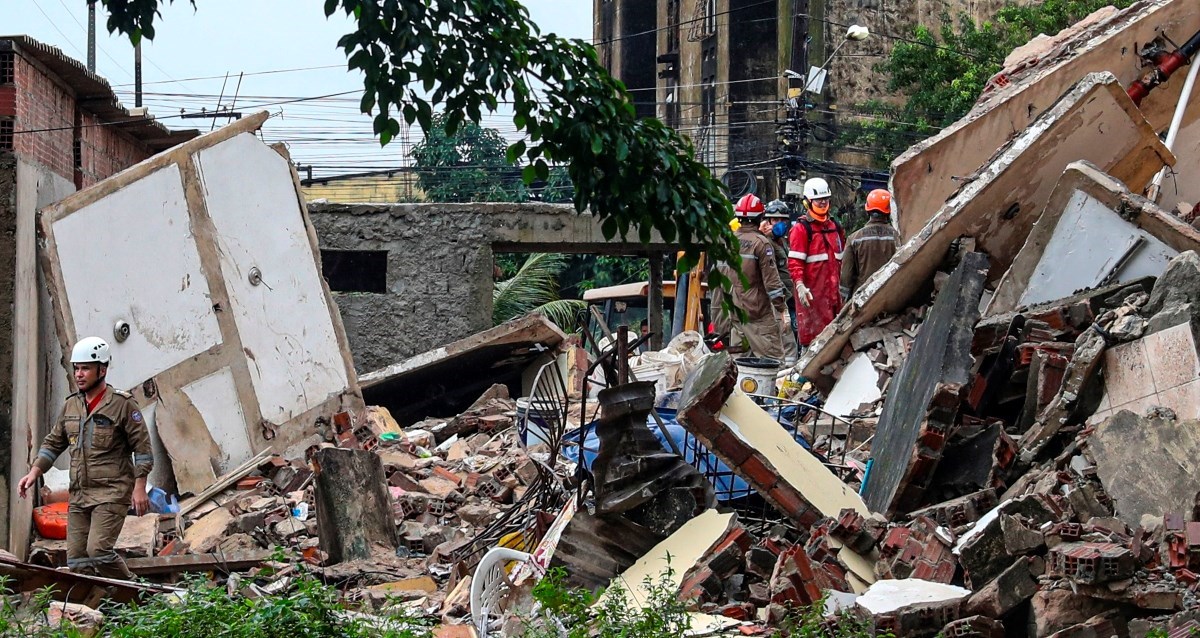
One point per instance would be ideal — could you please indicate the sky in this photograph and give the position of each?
(286, 49)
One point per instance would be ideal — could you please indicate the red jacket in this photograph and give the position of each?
(815, 260)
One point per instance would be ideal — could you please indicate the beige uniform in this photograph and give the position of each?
(110, 448)
(762, 299)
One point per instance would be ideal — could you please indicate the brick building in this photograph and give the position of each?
(61, 129)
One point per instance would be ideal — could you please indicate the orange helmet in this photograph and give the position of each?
(749, 205)
(879, 201)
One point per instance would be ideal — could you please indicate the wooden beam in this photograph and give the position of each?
(655, 302)
(223, 483)
(183, 563)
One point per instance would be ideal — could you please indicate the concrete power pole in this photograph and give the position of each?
(137, 74)
(91, 49)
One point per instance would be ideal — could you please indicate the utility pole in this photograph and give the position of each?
(91, 49)
(793, 131)
(137, 74)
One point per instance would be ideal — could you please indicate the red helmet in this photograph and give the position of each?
(879, 201)
(749, 205)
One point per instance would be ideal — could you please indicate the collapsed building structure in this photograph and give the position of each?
(997, 436)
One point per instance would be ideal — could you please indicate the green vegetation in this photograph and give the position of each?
(468, 166)
(573, 613)
(204, 610)
(534, 288)
(313, 610)
(941, 74)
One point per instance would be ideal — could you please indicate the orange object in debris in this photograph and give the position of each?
(250, 482)
(51, 521)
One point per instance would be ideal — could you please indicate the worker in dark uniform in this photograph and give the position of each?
(872, 246)
(110, 460)
(761, 298)
(775, 225)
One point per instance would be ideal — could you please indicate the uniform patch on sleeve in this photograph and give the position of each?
(136, 416)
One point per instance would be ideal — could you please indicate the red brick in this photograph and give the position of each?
(758, 474)
(706, 428)
(789, 502)
(731, 448)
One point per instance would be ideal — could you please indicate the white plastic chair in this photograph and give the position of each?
(491, 583)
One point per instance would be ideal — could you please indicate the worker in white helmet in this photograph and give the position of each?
(110, 460)
(815, 248)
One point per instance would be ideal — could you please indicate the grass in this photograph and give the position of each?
(311, 609)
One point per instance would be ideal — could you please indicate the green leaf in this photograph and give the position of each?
(367, 104)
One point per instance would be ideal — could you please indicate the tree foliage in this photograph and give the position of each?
(534, 288)
(465, 56)
(941, 74)
(469, 166)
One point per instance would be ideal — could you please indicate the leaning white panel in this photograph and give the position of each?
(275, 289)
(231, 366)
(215, 398)
(131, 257)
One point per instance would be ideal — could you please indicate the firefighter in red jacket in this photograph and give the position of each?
(815, 250)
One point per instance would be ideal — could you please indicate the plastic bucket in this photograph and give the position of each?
(534, 425)
(756, 375)
(655, 374)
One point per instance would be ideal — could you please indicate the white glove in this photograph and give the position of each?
(803, 295)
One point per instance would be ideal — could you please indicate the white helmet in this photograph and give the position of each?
(91, 350)
(816, 188)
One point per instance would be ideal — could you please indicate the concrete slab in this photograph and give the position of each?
(1148, 466)
(1159, 370)
(859, 385)
(890, 595)
(761, 452)
(998, 204)
(1093, 232)
(758, 449)
(678, 553)
(929, 173)
(211, 298)
(923, 399)
(444, 381)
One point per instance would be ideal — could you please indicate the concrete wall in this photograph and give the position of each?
(440, 266)
(231, 333)
(32, 382)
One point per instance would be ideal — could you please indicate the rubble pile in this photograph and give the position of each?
(997, 434)
(1016, 523)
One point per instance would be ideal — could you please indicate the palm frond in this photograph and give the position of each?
(534, 284)
(563, 312)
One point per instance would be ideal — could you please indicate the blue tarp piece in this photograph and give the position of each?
(727, 485)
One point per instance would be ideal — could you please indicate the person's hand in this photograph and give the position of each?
(141, 502)
(28, 481)
(803, 295)
(785, 319)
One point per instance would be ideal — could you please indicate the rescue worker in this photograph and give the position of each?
(763, 298)
(776, 224)
(815, 251)
(110, 460)
(872, 246)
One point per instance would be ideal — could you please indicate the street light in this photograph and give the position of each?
(816, 75)
(856, 33)
(795, 130)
